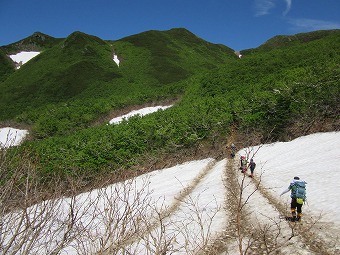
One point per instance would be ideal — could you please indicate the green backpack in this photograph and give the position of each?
(299, 191)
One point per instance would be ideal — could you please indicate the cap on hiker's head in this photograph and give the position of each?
(242, 156)
(296, 178)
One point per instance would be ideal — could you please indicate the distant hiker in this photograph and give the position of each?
(243, 166)
(233, 150)
(252, 166)
(298, 195)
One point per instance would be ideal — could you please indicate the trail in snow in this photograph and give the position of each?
(193, 207)
(190, 215)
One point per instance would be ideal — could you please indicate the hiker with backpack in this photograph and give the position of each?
(298, 195)
(232, 150)
(252, 166)
(243, 163)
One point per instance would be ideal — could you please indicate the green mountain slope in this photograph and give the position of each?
(177, 53)
(283, 91)
(283, 41)
(78, 80)
(274, 93)
(6, 66)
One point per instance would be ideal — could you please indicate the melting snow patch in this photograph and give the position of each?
(140, 112)
(11, 137)
(23, 57)
(115, 59)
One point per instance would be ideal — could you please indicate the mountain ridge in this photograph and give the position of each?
(74, 61)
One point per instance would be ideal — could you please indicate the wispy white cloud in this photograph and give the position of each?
(289, 5)
(314, 24)
(262, 7)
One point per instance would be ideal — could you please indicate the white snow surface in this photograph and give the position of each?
(115, 59)
(314, 158)
(24, 56)
(11, 136)
(141, 112)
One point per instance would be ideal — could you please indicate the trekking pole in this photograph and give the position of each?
(306, 202)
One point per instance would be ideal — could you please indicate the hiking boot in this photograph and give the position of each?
(298, 218)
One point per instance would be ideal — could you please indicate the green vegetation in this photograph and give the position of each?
(6, 66)
(76, 81)
(68, 86)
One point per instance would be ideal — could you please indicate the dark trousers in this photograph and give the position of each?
(295, 207)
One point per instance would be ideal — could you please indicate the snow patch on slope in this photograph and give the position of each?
(140, 112)
(115, 59)
(23, 57)
(11, 137)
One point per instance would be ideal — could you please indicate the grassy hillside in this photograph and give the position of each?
(6, 66)
(281, 92)
(76, 80)
(282, 41)
(269, 94)
(177, 53)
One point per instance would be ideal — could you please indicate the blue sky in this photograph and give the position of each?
(238, 24)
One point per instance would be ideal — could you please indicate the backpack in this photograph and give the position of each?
(300, 190)
(243, 162)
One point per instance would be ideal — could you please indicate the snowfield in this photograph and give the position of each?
(192, 207)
